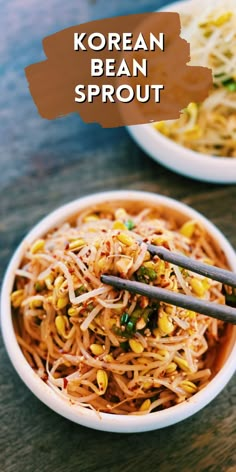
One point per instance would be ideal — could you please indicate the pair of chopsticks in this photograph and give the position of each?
(215, 310)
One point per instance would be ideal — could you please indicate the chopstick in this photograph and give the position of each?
(215, 310)
(221, 312)
(212, 272)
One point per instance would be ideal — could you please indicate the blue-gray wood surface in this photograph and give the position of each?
(47, 163)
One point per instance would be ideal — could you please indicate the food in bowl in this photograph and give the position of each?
(112, 351)
(209, 127)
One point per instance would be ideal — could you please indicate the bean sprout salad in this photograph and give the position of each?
(108, 350)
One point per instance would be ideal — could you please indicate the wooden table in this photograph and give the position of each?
(45, 164)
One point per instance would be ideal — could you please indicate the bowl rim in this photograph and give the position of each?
(106, 421)
(186, 153)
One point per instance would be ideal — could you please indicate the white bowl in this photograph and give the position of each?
(177, 157)
(83, 416)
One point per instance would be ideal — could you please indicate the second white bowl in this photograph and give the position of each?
(176, 157)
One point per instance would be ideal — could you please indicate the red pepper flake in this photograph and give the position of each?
(83, 368)
(45, 377)
(67, 246)
(65, 382)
